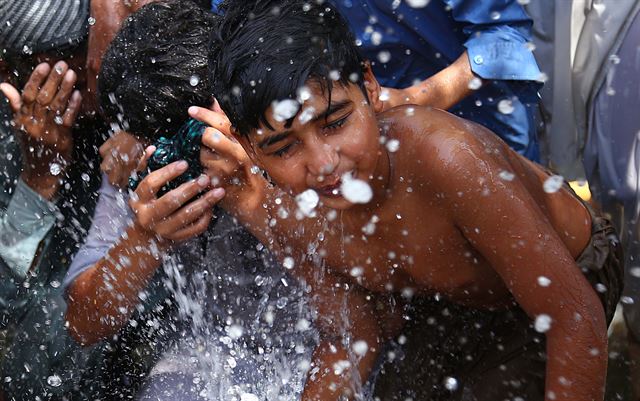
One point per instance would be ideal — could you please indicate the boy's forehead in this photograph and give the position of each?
(312, 100)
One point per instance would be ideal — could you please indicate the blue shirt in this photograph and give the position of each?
(419, 42)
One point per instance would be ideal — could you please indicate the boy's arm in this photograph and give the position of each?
(350, 336)
(101, 299)
(504, 223)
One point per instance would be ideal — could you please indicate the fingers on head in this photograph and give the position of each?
(152, 183)
(72, 110)
(50, 87)
(37, 78)
(12, 94)
(59, 102)
(192, 230)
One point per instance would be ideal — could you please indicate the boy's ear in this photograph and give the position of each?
(372, 87)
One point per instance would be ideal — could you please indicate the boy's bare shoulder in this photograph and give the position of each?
(441, 144)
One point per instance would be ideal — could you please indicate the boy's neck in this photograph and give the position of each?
(380, 183)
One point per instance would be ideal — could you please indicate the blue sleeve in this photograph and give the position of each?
(498, 32)
(111, 218)
(214, 5)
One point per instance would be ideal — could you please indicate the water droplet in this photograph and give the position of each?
(542, 323)
(360, 347)
(384, 56)
(54, 380)
(307, 115)
(288, 263)
(451, 383)
(505, 106)
(55, 169)
(523, 2)
(234, 331)
(627, 300)
(635, 272)
(91, 21)
(55, 283)
(249, 397)
(475, 83)
(303, 325)
(282, 302)
(376, 38)
(334, 75)
(393, 145)
(410, 111)
(304, 94)
(553, 184)
(231, 361)
(284, 109)
(543, 281)
(417, 3)
(340, 366)
(355, 190)
(495, 15)
(85, 177)
(506, 175)
(384, 95)
(58, 120)
(194, 80)
(307, 202)
(356, 271)
(27, 50)
(353, 77)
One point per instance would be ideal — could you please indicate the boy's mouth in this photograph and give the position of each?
(332, 190)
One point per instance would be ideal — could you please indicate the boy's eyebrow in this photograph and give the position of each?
(332, 108)
(273, 139)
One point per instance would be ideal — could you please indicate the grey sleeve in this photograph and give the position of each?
(23, 225)
(111, 218)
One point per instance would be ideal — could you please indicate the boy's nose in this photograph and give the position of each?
(323, 160)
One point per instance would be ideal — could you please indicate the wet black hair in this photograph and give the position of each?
(156, 67)
(265, 50)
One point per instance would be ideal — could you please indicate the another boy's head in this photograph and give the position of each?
(300, 98)
(156, 67)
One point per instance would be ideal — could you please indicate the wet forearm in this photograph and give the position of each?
(448, 87)
(333, 375)
(577, 360)
(102, 299)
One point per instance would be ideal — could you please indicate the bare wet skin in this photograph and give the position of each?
(416, 246)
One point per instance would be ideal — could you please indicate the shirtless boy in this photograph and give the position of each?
(452, 211)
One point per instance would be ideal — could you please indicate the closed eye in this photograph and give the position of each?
(283, 150)
(337, 123)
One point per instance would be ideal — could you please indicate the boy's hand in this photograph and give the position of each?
(173, 217)
(120, 155)
(227, 163)
(44, 114)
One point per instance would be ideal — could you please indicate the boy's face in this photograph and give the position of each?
(324, 142)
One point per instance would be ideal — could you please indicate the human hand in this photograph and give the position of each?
(173, 217)
(120, 155)
(227, 163)
(44, 114)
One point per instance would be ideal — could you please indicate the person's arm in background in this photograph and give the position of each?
(28, 214)
(498, 33)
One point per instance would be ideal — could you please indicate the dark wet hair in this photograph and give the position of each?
(267, 49)
(156, 67)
